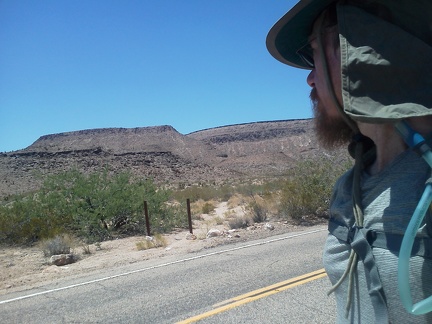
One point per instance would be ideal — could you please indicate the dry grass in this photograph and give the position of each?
(152, 242)
(219, 220)
(236, 200)
(203, 206)
(61, 244)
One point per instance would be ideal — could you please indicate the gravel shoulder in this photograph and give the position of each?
(23, 268)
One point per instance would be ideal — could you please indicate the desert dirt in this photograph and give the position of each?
(24, 268)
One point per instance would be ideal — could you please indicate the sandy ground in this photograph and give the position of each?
(25, 268)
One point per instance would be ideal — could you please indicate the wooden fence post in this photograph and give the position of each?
(147, 219)
(189, 215)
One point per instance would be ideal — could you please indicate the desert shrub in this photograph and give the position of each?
(226, 192)
(308, 189)
(238, 222)
(94, 207)
(152, 242)
(205, 192)
(207, 208)
(195, 193)
(169, 216)
(252, 189)
(26, 220)
(219, 220)
(236, 200)
(197, 208)
(258, 212)
(60, 244)
(86, 249)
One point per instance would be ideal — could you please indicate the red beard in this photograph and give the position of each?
(331, 132)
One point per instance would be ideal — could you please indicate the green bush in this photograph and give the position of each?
(238, 222)
(205, 192)
(258, 212)
(100, 206)
(207, 208)
(308, 189)
(94, 207)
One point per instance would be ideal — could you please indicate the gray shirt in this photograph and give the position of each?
(389, 200)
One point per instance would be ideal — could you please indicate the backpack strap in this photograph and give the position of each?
(357, 238)
(389, 241)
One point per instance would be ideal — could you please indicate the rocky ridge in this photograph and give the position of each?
(252, 150)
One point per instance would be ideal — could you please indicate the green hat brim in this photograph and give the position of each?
(291, 32)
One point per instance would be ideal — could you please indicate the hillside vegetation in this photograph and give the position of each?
(92, 184)
(102, 206)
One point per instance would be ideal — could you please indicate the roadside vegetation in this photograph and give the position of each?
(102, 206)
(94, 207)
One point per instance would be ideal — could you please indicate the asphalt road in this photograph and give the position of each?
(225, 282)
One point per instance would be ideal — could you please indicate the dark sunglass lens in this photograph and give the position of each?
(308, 60)
(305, 54)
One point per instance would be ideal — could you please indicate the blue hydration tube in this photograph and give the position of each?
(413, 139)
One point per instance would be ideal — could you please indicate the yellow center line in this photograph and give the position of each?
(257, 294)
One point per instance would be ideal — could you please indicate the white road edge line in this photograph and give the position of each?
(158, 266)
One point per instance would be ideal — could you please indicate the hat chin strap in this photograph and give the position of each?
(360, 145)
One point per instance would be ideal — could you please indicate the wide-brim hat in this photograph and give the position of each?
(291, 32)
(385, 46)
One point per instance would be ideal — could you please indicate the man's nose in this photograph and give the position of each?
(311, 79)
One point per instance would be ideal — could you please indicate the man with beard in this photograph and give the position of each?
(371, 88)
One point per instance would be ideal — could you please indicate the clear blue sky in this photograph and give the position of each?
(69, 65)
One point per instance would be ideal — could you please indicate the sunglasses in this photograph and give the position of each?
(306, 55)
(306, 52)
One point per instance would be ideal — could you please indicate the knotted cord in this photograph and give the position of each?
(358, 166)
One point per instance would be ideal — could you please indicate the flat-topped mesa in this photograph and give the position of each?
(215, 155)
(114, 140)
(258, 131)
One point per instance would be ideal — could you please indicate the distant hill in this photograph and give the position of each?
(253, 150)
